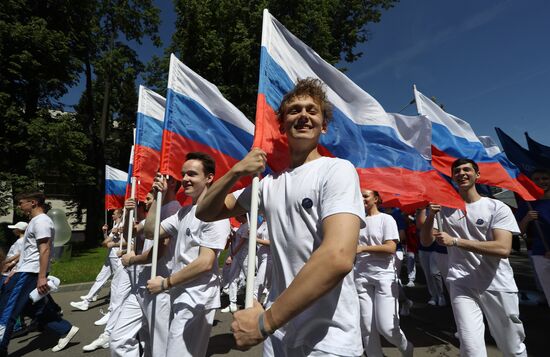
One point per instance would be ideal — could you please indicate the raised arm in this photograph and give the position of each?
(218, 203)
(426, 224)
(338, 247)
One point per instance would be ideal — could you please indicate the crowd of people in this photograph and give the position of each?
(328, 262)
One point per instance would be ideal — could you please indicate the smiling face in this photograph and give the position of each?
(465, 176)
(369, 199)
(194, 180)
(303, 119)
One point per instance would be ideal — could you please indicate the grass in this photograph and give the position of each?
(85, 263)
(83, 266)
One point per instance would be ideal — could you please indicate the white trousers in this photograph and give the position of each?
(433, 277)
(239, 265)
(189, 330)
(274, 347)
(502, 313)
(379, 310)
(123, 341)
(158, 314)
(110, 265)
(263, 275)
(411, 266)
(120, 290)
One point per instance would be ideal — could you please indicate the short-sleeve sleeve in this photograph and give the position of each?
(504, 219)
(214, 234)
(390, 230)
(43, 229)
(244, 195)
(340, 191)
(170, 225)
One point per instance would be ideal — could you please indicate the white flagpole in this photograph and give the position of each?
(253, 225)
(121, 225)
(156, 235)
(131, 217)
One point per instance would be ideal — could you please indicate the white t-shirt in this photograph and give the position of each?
(380, 228)
(483, 272)
(16, 248)
(241, 235)
(294, 203)
(191, 234)
(262, 233)
(115, 239)
(40, 227)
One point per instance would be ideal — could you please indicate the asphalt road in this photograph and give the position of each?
(431, 329)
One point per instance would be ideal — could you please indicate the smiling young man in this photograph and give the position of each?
(193, 283)
(313, 212)
(480, 277)
(32, 272)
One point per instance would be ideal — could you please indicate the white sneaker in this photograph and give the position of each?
(64, 341)
(410, 284)
(103, 320)
(405, 308)
(101, 342)
(85, 297)
(81, 305)
(230, 308)
(441, 301)
(432, 302)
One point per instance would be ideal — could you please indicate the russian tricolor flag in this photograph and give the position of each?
(453, 138)
(115, 187)
(199, 118)
(383, 147)
(149, 124)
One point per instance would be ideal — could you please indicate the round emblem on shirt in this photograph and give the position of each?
(480, 221)
(307, 203)
(188, 231)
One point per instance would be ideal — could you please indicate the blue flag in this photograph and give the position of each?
(525, 160)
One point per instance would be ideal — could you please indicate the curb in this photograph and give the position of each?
(76, 287)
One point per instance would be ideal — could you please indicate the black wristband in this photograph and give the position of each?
(261, 326)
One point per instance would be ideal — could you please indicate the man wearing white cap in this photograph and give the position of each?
(15, 250)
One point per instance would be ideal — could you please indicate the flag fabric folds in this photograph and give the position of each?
(454, 138)
(380, 145)
(149, 123)
(115, 187)
(199, 118)
(523, 158)
(538, 148)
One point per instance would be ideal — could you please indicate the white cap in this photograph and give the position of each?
(19, 225)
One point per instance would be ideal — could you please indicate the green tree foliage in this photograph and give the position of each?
(221, 39)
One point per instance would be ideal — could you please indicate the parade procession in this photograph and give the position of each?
(268, 206)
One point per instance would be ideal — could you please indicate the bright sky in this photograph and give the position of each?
(487, 61)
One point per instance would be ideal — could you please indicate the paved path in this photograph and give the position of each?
(430, 328)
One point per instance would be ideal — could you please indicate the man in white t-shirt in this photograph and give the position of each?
(314, 212)
(31, 272)
(480, 277)
(12, 258)
(193, 284)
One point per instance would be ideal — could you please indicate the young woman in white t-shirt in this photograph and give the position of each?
(376, 280)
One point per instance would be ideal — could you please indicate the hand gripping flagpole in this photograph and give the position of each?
(131, 217)
(253, 225)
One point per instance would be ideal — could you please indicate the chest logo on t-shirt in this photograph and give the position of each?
(479, 222)
(188, 231)
(307, 203)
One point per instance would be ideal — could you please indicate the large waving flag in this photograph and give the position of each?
(453, 138)
(149, 123)
(523, 158)
(538, 148)
(381, 146)
(199, 118)
(115, 187)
